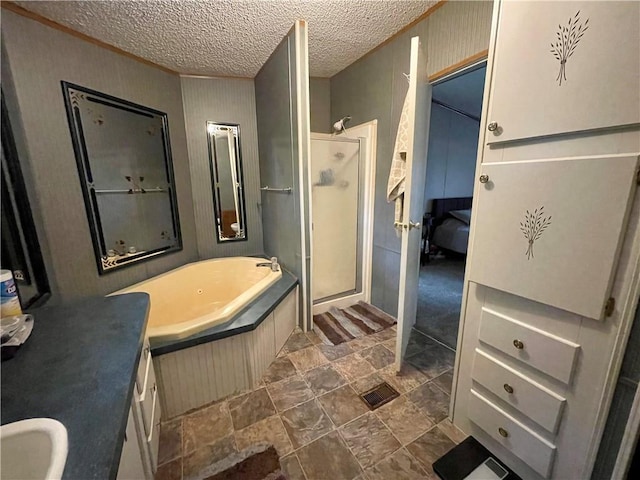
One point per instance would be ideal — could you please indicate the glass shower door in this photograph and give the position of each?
(336, 202)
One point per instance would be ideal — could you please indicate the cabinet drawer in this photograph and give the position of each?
(524, 443)
(533, 400)
(548, 353)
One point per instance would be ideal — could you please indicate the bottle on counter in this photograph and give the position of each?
(9, 301)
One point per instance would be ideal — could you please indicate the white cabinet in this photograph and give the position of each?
(139, 458)
(131, 467)
(555, 234)
(589, 81)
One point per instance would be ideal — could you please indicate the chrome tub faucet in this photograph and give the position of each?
(273, 264)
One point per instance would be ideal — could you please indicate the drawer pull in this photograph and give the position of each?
(518, 344)
(503, 432)
(508, 388)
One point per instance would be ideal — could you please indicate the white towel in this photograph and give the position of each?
(397, 175)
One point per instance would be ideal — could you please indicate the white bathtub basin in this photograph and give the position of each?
(33, 449)
(200, 295)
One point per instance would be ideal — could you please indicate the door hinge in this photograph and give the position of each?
(609, 307)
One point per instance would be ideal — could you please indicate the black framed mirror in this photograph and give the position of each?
(21, 252)
(225, 163)
(124, 161)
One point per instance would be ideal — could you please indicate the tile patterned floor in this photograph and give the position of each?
(307, 406)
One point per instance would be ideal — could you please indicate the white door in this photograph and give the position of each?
(419, 108)
(335, 198)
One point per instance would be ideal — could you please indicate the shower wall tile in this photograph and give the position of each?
(222, 100)
(374, 88)
(35, 59)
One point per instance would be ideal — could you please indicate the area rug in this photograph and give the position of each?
(257, 463)
(340, 325)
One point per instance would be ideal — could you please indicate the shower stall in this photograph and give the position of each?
(342, 172)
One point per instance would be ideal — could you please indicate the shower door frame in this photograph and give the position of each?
(367, 133)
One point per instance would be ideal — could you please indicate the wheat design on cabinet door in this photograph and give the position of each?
(567, 39)
(534, 224)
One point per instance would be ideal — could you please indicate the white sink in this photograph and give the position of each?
(33, 449)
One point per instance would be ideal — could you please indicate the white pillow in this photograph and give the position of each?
(462, 215)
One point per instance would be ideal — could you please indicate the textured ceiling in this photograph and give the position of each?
(235, 37)
(463, 92)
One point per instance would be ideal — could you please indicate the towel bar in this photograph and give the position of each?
(266, 188)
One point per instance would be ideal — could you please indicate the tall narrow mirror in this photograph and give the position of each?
(225, 162)
(124, 161)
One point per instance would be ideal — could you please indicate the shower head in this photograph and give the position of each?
(340, 125)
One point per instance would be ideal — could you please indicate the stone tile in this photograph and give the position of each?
(390, 344)
(308, 358)
(432, 360)
(343, 405)
(353, 367)
(369, 439)
(291, 468)
(367, 383)
(378, 356)
(289, 393)
(363, 342)
(250, 408)
(333, 352)
(270, 431)
(170, 471)
(170, 443)
(451, 431)
(203, 457)
(323, 379)
(444, 381)
(279, 369)
(297, 341)
(405, 420)
(431, 400)
(206, 426)
(329, 458)
(383, 335)
(398, 466)
(430, 447)
(305, 423)
(314, 338)
(408, 379)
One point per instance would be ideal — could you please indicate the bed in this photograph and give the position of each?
(449, 225)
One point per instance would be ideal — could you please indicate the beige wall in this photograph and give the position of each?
(222, 100)
(374, 88)
(35, 59)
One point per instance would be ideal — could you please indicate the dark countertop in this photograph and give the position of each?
(79, 367)
(245, 321)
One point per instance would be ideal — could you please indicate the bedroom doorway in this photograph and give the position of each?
(451, 161)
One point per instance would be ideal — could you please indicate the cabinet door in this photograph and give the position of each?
(550, 230)
(564, 67)
(130, 461)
